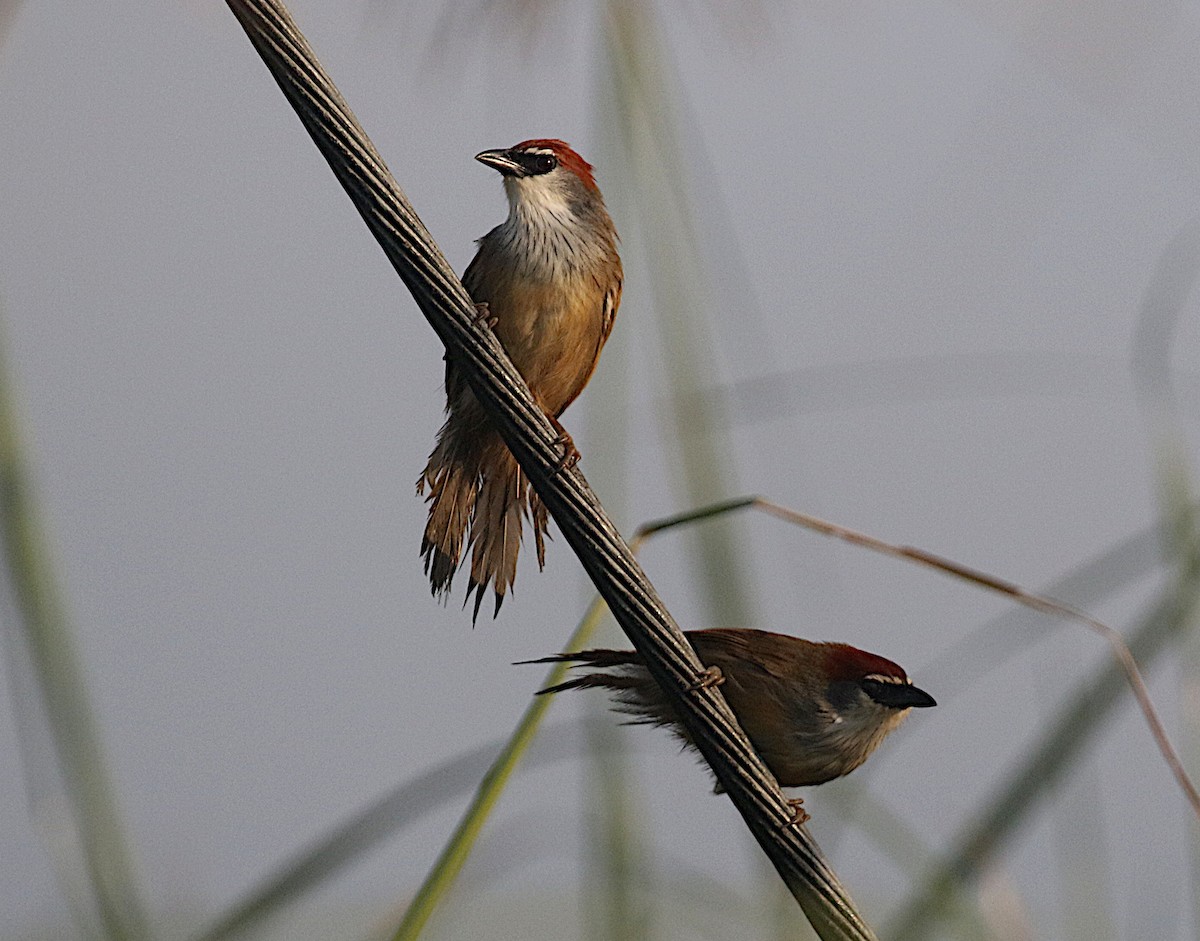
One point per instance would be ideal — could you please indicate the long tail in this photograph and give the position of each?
(496, 525)
(478, 496)
(633, 690)
(452, 477)
(600, 660)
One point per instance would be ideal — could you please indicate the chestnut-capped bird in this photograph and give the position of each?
(548, 282)
(812, 711)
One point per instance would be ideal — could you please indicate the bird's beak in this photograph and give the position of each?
(903, 696)
(501, 160)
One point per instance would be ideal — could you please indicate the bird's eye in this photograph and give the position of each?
(544, 163)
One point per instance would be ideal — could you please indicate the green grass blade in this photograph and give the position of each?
(1046, 763)
(450, 862)
(617, 878)
(70, 794)
(350, 840)
(647, 126)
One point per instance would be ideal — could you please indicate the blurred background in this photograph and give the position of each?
(926, 271)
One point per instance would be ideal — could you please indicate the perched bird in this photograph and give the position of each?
(813, 711)
(548, 282)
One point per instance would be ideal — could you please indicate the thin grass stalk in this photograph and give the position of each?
(908, 850)
(454, 854)
(528, 433)
(1046, 763)
(1083, 855)
(1165, 303)
(43, 662)
(616, 898)
(348, 841)
(1122, 654)
(1189, 666)
(617, 878)
(645, 96)
(1176, 496)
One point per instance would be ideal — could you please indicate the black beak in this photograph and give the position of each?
(900, 696)
(503, 161)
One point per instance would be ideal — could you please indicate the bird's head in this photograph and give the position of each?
(548, 159)
(545, 178)
(868, 695)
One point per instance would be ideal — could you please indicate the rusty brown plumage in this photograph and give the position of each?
(549, 281)
(813, 711)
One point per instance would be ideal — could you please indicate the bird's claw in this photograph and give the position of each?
(712, 676)
(570, 456)
(799, 814)
(483, 315)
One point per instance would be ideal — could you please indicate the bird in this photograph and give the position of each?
(813, 711)
(548, 282)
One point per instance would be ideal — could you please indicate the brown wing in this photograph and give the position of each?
(756, 654)
(608, 316)
(761, 688)
(612, 300)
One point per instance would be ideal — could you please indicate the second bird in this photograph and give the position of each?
(813, 711)
(548, 280)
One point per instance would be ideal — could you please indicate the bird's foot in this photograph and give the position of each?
(570, 456)
(712, 676)
(483, 315)
(799, 814)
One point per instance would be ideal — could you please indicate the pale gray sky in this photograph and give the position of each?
(950, 216)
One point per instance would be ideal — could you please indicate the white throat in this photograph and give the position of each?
(555, 242)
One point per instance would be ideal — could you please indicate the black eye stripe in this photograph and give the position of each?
(536, 162)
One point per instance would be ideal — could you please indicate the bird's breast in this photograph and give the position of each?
(543, 285)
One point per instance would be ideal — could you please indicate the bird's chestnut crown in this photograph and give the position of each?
(883, 681)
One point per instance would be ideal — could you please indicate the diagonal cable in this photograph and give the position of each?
(585, 526)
